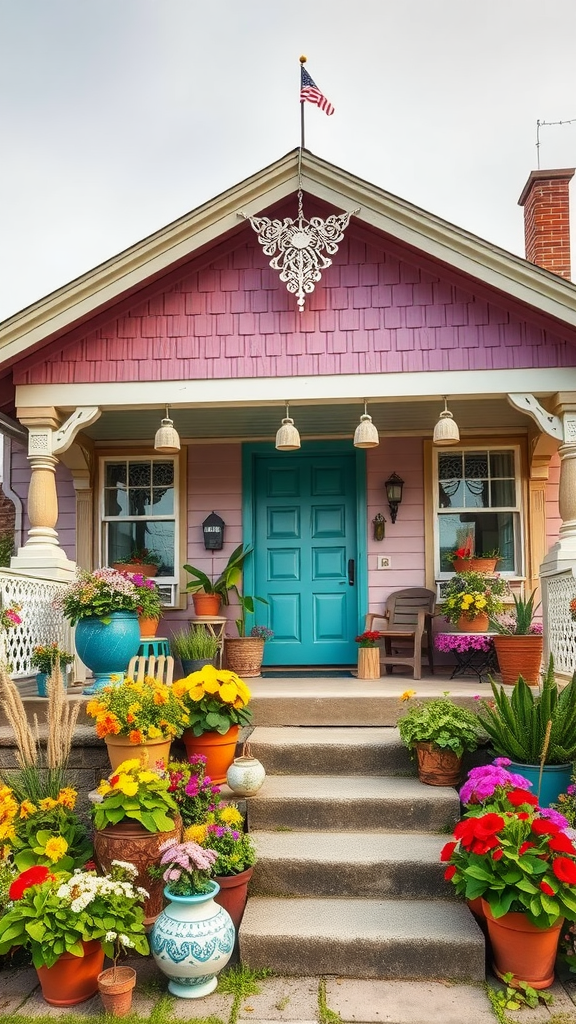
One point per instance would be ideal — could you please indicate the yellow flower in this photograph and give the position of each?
(7, 831)
(480, 601)
(147, 777)
(228, 693)
(67, 797)
(128, 766)
(47, 804)
(104, 788)
(134, 708)
(27, 808)
(154, 732)
(231, 815)
(55, 848)
(407, 694)
(127, 785)
(195, 834)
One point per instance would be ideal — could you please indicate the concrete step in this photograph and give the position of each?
(372, 864)
(360, 938)
(321, 750)
(351, 804)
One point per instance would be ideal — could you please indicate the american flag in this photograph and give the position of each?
(310, 91)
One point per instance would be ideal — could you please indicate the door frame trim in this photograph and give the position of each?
(250, 452)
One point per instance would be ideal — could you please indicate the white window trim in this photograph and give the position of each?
(518, 509)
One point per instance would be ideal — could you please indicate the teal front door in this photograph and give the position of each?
(305, 556)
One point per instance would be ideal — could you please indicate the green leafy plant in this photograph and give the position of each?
(471, 593)
(137, 793)
(222, 830)
(227, 583)
(514, 997)
(48, 833)
(6, 547)
(521, 620)
(45, 656)
(52, 914)
(215, 699)
(140, 710)
(194, 794)
(149, 602)
(441, 722)
(194, 644)
(139, 556)
(529, 727)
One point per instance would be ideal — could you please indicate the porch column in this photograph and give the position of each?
(41, 554)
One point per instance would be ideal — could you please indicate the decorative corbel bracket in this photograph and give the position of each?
(64, 436)
(547, 421)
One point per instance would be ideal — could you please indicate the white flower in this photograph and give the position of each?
(126, 941)
(111, 936)
(126, 866)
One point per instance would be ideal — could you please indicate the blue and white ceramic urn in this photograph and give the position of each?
(192, 941)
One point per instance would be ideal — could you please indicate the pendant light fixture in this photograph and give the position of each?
(287, 438)
(446, 430)
(366, 435)
(167, 439)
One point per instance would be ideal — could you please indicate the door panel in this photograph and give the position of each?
(305, 535)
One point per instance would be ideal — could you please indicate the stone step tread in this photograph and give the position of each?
(359, 848)
(345, 788)
(329, 736)
(363, 937)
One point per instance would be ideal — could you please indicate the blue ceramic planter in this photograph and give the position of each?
(191, 942)
(555, 780)
(42, 683)
(106, 648)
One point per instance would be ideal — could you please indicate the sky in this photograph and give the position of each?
(118, 116)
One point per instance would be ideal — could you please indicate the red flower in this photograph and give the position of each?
(564, 869)
(33, 876)
(498, 854)
(488, 825)
(525, 846)
(543, 827)
(447, 851)
(479, 834)
(522, 796)
(522, 815)
(450, 872)
(547, 889)
(561, 844)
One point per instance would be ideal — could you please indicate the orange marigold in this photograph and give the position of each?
(135, 736)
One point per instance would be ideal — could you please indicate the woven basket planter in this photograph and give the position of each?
(244, 655)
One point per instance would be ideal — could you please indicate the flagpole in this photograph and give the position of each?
(302, 63)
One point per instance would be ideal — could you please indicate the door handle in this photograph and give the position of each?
(351, 570)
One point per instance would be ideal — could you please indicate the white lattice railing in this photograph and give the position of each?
(41, 622)
(559, 629)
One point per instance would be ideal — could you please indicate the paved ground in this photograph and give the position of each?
(303, 1000)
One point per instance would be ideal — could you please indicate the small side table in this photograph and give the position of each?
(155, 646)
(215, 626)
(471, 659)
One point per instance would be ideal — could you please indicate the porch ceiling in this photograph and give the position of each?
(312, 420)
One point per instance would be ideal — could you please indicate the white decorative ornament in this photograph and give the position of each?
(298, 247)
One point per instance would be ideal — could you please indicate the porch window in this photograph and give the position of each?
(478, 495)
(139, 510)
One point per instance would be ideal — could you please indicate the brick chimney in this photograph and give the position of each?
(547, 220)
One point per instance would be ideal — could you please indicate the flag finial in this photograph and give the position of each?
(303, 59)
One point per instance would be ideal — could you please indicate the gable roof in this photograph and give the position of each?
(159, 253)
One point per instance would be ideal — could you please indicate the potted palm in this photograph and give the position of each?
(520, 861)
(519, 642)
(439, 731)
(537, 731)
(216, 590)
(194, 647)
(216, 702)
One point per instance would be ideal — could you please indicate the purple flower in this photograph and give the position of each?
(235, 834)
(554, 816)
(192, 787)
(571, 789)
(483, 781)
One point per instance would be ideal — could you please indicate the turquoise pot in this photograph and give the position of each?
(555, 780)
(42, 683)
(106, 647)
(191, 941)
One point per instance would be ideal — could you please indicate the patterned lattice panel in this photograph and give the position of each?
(42, 623)
(560, 629)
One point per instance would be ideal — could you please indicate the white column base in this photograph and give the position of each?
(44, 561)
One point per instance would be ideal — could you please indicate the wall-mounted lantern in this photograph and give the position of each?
(394, 485)
(213, 532)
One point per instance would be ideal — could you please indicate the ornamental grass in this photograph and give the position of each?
(215, 700)
(145, 710)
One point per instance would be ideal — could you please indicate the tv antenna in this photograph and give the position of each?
(539, 125)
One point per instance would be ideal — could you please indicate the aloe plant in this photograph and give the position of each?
(518, 725)
(524, 612)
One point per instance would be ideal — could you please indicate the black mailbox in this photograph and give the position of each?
(213, 531)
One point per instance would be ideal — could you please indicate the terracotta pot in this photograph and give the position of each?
(140, 567)
(233, 894)
(207, 604)
(522, 949)
(479, 624)
(437, 767)
(116, 985)
(486, 565)
(368, 663)
(72, 979)
(218, 750)
(244, 655)
(129, 841)
(519, 656)
(148, 627)
(150, 751)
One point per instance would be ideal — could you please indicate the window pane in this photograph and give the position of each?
(503, 493)
(162, 502)
(490, 531)
(139, 474)
(450, 467)
(163, 474)
(501, 464)
(115, 473)
(477, 494)
(139, 499)
(451, 493)
(115, 502)
(158, 537)
(476, 465)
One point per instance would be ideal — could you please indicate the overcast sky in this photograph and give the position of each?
(117, 116)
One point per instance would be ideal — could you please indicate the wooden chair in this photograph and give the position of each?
(408, 620)
(160, 667)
